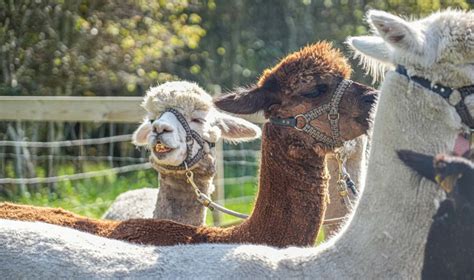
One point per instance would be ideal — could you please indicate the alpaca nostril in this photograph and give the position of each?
(161, 127)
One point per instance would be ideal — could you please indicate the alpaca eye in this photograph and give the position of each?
(320, 89)
(198, 120)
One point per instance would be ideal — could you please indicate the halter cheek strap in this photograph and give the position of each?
(332, 111)
(454, 96)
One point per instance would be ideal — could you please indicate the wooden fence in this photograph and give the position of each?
(79, 109)
(95, 109)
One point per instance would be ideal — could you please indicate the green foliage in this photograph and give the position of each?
(93, 47)
(240, 45)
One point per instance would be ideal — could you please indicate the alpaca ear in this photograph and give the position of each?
(242, 101)
(140, 136)
(251, 100)
(236, 129)
(422, 164)
(373, 53)
(370, 47)
(395, 31)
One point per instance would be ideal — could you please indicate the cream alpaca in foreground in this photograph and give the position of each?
(164, 135)
(384, 240)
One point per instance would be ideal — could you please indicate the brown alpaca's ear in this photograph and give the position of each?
(242, 101)
(250, 100)
(420, 163)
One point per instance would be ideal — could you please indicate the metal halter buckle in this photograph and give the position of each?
(335, 118)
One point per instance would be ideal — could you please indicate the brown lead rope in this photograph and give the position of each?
(207, 201)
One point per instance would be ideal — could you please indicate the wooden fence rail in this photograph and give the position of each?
(77, 108)
(68, 108)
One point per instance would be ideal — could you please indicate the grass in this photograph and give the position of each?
(89, 197)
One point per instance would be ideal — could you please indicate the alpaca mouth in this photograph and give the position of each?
(161, 148)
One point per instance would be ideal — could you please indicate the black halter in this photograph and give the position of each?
(331, 108)
(191, 136)
(454, 96)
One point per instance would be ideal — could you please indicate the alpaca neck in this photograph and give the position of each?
(387, 234)
(291, 199)
(177, 199)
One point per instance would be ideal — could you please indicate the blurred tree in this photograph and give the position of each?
(244, 37)
(93, 47)
(104, 47)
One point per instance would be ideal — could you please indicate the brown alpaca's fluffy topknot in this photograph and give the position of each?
(314, 60)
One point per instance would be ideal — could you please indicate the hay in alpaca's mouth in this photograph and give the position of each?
(161, 148)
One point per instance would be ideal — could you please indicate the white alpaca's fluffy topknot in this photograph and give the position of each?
(182, 95)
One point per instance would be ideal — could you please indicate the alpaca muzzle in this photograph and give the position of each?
(191, 137)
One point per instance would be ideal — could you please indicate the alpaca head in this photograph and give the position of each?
(165, 134)
(454, 174)
(439, 47)
(301, 82)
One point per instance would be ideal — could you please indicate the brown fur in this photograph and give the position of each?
(292, 193)
(314, 60)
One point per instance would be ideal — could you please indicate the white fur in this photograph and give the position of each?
(134, 204)
(384, 240)
(437, 47)
(373, 54)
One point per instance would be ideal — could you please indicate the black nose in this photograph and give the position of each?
(370, 98)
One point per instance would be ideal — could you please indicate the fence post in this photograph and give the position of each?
(111, 145)
(52, 150)
(19, 163)
(218, 194)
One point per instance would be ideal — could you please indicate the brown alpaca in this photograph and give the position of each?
(293, 190)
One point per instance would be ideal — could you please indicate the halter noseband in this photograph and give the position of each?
(191, 136)
(331, 108)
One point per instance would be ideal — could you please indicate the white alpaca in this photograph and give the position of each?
(165, 136)
(386, 237)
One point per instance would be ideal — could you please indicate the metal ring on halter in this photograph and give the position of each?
(305, 121)
(331, 109)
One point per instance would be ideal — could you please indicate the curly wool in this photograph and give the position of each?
(170, 95)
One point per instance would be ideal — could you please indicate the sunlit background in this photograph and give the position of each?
(121, 48)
